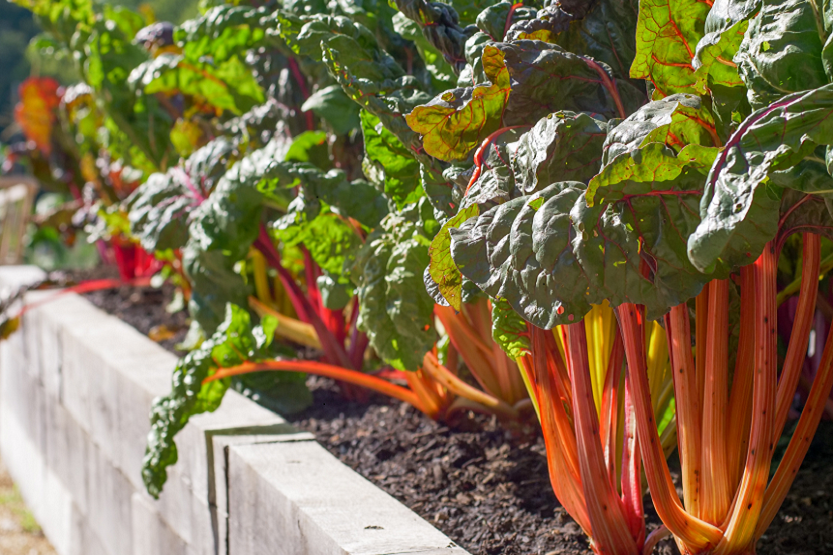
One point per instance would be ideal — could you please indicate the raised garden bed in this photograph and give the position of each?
(76, 386)
(485, 487)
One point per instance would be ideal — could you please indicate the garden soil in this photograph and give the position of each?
(486, 487)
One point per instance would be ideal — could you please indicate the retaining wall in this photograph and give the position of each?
(76, 387)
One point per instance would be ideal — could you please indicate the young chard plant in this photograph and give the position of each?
(689, 196)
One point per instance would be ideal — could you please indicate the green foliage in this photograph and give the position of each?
(236, 341)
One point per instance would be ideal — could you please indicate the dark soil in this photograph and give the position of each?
(144, 308)
(487, 488)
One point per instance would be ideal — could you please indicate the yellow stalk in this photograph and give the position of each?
(260, 276)
(288, 328)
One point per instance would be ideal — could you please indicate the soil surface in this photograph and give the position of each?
(144, 308)
(19, 533)
(486, 487)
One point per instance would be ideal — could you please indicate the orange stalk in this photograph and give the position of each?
(800, 441)
(559, 438)
(433, 368)
(740, 400)
(632, 474)
(717, 492)
(321, 369)
(696, 534)
(702, 324)
(740, 525)
(800, 334)
(475, 353)
(687, 397)
(611, 533)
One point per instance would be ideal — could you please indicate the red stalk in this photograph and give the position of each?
(332, 349)
(696, 533)
(559, 438)
(740, 526)
(702, 325)
(610, 405)
(632, 475)
(688, 404)
(717, 493)
(800, 334)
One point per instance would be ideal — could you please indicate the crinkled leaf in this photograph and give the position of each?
(740, 207)
(332, 105)
(394, 309)
(509, 330)
(781, 51)
(676, 121)
(228, 85)
(607, 34)
(458, 120)
(441, 26)
(221, 33)
(551, 256)
(563, 146)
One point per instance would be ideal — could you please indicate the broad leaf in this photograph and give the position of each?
(458, 120)
(740, 207)
(781, 51)
(667, 34)
(388, 164)
(509, 330)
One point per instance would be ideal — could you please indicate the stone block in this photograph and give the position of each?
(109, 496)
(151, 534)
(84, 540)
(294, 498)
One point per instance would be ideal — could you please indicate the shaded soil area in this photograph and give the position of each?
(19, 533)
(485, 486)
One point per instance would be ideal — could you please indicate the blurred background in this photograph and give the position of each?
(22, 57)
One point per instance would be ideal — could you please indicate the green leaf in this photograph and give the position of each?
(235, 341)
(310, 146)
(493, 20)
(394, 309)
(441, 27)
(509, 330)
(160, 209)
(458, 120)
(332, 105)
(229, 85)
(221, 33)
(740, 207)
(781, 52)
(441, 267)
(388, 164)
(561, 146)
(607, 34)
(677, 120)
(545, 78)
(551, 256)
(667, 34)
(330, 240)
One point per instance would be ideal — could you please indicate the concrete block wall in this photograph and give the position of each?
(76, 387)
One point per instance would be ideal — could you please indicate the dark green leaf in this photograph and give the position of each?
(740, 208)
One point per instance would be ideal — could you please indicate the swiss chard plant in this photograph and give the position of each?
(690, 188)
